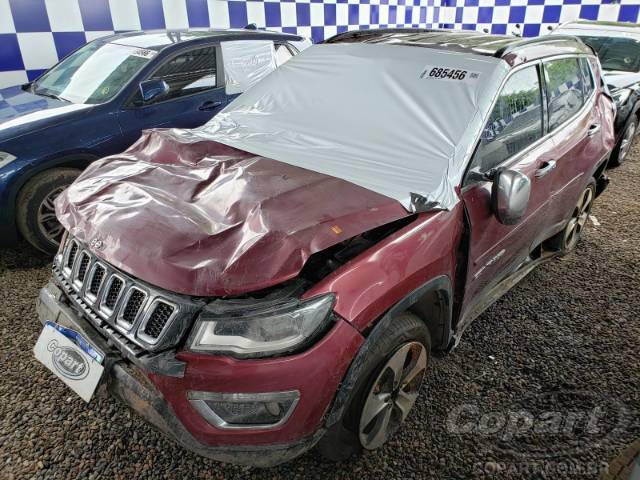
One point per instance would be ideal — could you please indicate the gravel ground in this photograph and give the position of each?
(563, 343)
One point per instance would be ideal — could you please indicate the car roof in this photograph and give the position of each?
(160, 40)
(468, 41)
(601, 28)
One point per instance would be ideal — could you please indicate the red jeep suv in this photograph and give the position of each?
(280, 277)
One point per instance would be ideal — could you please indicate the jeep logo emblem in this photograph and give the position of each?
(68, 361)
(96, 244)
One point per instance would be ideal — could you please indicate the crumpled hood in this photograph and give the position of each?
(616, 79)
(22, 111)
(200, 218)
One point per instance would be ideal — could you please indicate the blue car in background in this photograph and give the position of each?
(95, 103)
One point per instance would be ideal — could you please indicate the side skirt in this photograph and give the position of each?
(498, 291)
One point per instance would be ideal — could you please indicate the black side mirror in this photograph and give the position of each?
(153, 89)
(509, 195)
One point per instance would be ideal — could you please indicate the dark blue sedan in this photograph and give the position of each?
(95, 103)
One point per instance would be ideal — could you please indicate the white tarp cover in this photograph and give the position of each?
(369, 114)
(246, 62)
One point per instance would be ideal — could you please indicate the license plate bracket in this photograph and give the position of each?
(71, 357)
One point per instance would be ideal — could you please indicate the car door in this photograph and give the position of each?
(575, 120)
(514, 138)
(196, 93)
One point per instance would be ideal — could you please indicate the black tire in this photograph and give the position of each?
(342, 439)
(564, 241)
(621, 150)
(31, 200)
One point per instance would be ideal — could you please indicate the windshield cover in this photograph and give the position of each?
(93, 74)
(397, 120)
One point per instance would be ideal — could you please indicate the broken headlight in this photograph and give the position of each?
(263, 332)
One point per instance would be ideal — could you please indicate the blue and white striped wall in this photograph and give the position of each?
(35, 34)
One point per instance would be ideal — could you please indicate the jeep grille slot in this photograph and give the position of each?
(113, 293)
(96, 280)
(82, 269)
(133, 306)
(72, 255)
(158, 319)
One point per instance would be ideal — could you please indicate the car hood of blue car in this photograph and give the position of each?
(23, 112)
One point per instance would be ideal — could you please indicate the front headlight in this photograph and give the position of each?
(621, 96)
(263, 332)
(6, 158)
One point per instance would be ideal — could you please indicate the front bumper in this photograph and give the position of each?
(163, 400)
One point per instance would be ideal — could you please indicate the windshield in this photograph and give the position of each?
(93, 74)
(616, 53)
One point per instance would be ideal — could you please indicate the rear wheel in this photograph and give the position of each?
(622, 149)
(386, 391)
(568, 238)
(35, 210)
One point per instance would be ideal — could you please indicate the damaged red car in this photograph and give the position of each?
(280, 277)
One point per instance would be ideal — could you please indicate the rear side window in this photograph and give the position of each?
(565, 93)
(515, 122)
(587, 77)
(190, 72)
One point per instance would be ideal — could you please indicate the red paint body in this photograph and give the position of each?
(202, 219)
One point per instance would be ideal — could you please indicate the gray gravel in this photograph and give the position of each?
(565, 339)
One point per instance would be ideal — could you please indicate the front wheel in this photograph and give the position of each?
(385, 391)
(35, 211)
(621, 150)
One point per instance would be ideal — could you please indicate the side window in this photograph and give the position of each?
(515, 122)
(588, 84)
(565, 93)
(190, 72)
(283, 54)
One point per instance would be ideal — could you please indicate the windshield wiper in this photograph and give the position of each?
(50, 95)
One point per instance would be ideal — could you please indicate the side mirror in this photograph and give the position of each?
(153, 89)
(510, 195)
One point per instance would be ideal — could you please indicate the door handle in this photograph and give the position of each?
(547, 167)
(593, 129)
(208, 106)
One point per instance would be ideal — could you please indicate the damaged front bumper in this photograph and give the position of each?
(164, 400)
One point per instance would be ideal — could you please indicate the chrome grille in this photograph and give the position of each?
(82, 268)
(113, 293)
(96, 279)
(138, 312)
(72, 255)
(159, 317)
(132, 306)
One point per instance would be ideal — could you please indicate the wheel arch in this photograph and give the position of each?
(77, 160)
(432, 302)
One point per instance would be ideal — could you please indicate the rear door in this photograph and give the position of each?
(575, 123)
(514, 138)
(196, 94)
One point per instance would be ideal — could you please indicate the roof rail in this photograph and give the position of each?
(380, 31)
(531, 41)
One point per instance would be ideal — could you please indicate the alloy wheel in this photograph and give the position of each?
(627, 140)
(579, 219)
(392, 395)
(47, 221)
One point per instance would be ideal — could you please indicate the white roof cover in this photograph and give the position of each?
(373, 115)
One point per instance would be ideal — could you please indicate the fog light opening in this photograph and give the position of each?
(245, 410)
